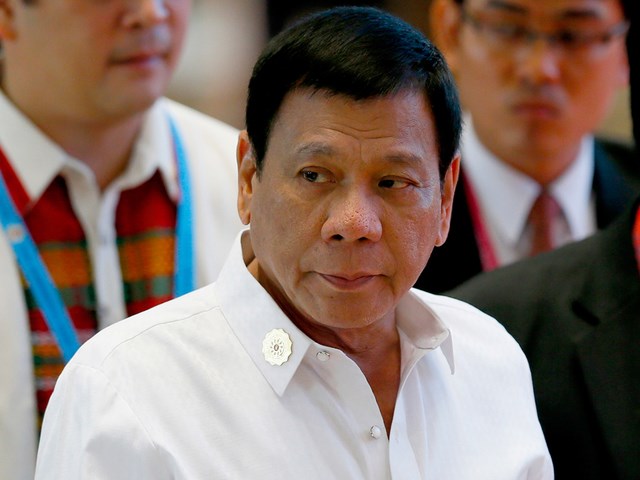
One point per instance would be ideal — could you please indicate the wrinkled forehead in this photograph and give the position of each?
(312, 98)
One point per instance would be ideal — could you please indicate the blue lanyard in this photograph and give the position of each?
(42, 287)
(37, 275)
(184, 272)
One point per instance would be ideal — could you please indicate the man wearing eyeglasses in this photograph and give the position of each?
(536, 78)
(576, 313)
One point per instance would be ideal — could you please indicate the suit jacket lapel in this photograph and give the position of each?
(615, 180)
(608, 302)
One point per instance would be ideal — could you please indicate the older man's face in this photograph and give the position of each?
(348, 206)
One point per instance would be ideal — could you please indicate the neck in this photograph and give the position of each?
(380, 362)
(543, 169)
(376, 351)
(543, 160)
(105, 149)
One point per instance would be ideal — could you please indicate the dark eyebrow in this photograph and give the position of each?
(571, 13)
(320, 149)
(315, 149)
(580, 14)
(404, 157)
(506, 6)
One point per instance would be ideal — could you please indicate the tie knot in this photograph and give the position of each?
(544, 207)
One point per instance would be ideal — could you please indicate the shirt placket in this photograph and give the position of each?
(364, 418)
(96, 211)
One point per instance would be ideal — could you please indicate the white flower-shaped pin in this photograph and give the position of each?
(276, 346)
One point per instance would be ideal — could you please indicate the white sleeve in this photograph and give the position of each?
(91, 432)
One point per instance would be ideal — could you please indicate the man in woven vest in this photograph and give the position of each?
(114, 199)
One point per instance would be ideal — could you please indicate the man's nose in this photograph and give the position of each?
(144, 13)
(354, 216)
(538, 61)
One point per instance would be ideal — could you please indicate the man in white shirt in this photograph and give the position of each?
(106, 178)
(310, 356)
(536, 79)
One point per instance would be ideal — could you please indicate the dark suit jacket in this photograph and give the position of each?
(576, 314)
(615, 184)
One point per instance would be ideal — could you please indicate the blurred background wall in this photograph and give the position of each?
(226, 37)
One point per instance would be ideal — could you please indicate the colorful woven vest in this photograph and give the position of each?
(63, 248)
(145, 224)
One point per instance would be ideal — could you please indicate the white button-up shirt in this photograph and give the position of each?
(185, 391)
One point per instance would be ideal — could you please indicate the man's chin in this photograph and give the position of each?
(136, 101)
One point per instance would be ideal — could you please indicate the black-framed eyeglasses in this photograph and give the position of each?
(509, 35)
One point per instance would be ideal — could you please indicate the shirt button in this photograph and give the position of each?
(375, 432)
(323, 356)
(105, 239)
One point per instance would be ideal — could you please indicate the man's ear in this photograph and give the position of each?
(445, 25)
(623, 71)
(446, 205)
(7, 27)
(247, 173)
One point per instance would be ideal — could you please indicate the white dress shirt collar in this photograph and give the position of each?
(573, 190)
(40, 158)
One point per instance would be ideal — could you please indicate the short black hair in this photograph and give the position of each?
(359, 52)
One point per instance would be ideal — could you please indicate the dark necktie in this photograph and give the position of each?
(541, 218)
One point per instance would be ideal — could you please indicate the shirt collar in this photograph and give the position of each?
(21, 139)
(252, 313)
(573, 191)
(153, 150)
(423, 328)
(41, 159)
(492, 179)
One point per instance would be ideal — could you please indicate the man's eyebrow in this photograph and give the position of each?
(312, 149)
(580, 14)
(404, 157)
(505, 6)
(571, 13)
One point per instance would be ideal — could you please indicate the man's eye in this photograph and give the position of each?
(314, 176)
(571, 39)
(310, 176)
(509, 32)
(392, 183)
